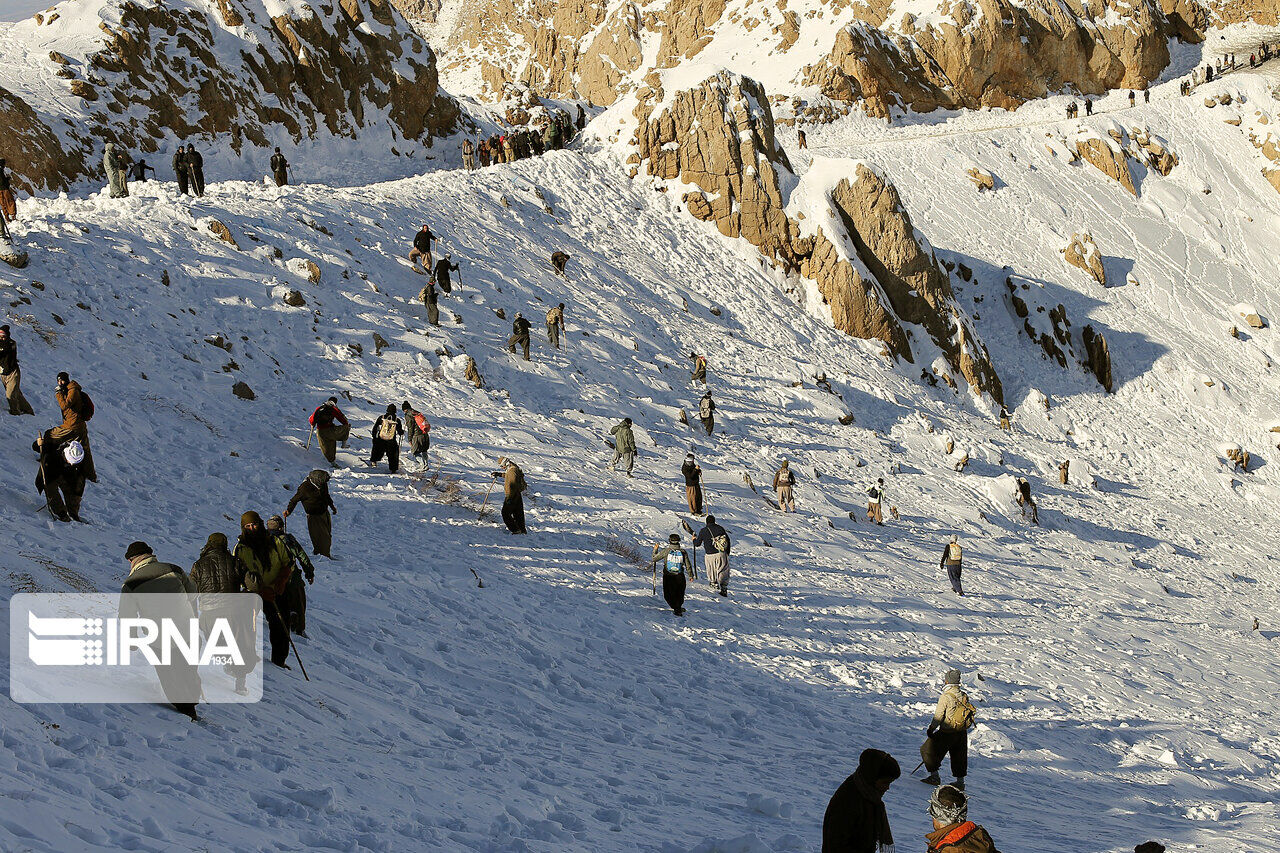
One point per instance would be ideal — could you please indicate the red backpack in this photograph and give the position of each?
(421, 421)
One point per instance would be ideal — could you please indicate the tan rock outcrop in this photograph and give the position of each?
(1109, 159)
(1082, 252)
(982, 179)
(1156, 151)
(222, 232)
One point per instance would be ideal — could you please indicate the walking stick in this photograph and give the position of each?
(309, 435)
(695, 562)
(291, 645)
(486, 498)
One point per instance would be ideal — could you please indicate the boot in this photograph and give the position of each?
(241, 688)
(959, 783)
(187, 708)
(932, 779)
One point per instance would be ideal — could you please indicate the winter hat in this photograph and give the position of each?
(391, 409)
(954, 539)
(875, 764)
(627, 421)
(948, 805)
(689, 455)
(275, 522)
(137, 549)
(64, 377)
(674, 538)
(216, 540)
(333, 400)
(952, 677)
(318, 477)
(880, 481)
(1149, 847)
(248, 518)
(711, 519)
(405, 406)
(73, 452)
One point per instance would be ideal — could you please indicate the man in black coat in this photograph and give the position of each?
(442, 269)
(11, 375)
(856, 820)
(279, 168)
(520, 335)
(314, 496)
(421, 251)
(195, 164)
(61, 476)
(181, 170)
(386, 440)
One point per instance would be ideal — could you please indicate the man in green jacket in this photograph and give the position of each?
(267, 570)
(624, 447)
(147, 576)
(313, 494)
(296, 591)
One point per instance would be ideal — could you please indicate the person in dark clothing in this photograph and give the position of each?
(707, 412)
(692, 472)
(1025, 502)
(856, 820)
(419, 433)
(295, 593)
(218, 575)
(520, 335)
(279, 168)
(267, 570)
(181, 170)
(430, 299)
(442, 269)
(11, 375)
(582, 117)
(1133, 98)
(559, 260)
(139, 171)
(61, 475)
(1088, 106)
(1146, 96)
(195, 165)
(513, 489)
(386, 439)
(676, 568)
(699, 367)
(313, 494)
(714, 541)
(162, 591)
(951, 558)
(8, 207)
(421, 251)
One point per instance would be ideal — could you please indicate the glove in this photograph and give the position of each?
(311, 579)
(931, 731)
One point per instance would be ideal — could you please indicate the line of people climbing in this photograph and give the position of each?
(522, 143)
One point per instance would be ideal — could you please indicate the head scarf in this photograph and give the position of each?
(945, 814)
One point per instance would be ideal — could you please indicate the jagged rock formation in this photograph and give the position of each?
(233, 72)
(1059, 342)
(874, 269)
(1082, 252)
(1108, 158)
(1099, 357)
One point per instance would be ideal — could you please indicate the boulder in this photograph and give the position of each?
(982, 179)
(1251, 316)
(294, 299)
(1082, 252)
(698, 206)
(243, 391)
(1099, 357)
(1108, 158)
(13, 256)
(306, 268)
(222, 232)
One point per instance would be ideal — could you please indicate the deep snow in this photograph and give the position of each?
(1123, 694)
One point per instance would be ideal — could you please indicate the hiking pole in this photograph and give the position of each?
(918, 766)
(695, 562)
(291, 645)
(486, 498)
(309, 435)
(479, 582)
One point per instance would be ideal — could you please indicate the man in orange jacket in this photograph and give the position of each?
(953, 832)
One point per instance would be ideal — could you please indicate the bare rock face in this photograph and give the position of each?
(15, 258)
(222, 232)
(1156, 151)
(243, 391)
(1108, 158)
(1082, 252)
(872, 267)
(294, 299)
(1099, 357)
(228, 72)
(982, 179)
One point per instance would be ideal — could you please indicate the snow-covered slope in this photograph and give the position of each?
(1122, 691)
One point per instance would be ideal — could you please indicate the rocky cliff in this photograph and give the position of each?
(846, 230)
(235, 73)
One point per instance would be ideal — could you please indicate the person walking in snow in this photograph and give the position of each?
(418, 431)
(115, 160)
(856, 820)
(8, 207)
(520, 335)
(707, 412)
(513, 489)
(181, 171)
(386, 440)
(1088, 106)
(1023, 496)
(555, 325)
(699, 367)
(1064, 468)
(784, 481)
(162, 591)
(431, 300)
(441, 273)
(331, 427)
(875, 502)
(1133, 99)
(268, 567)
(676, 569)
(11, 375)
(295, 593)
(279, 168)
(483, 152)
(218, 576)
(77, 410)
(624, 446)
(468, 155)
(559, 260)
(953, 832)
(139, 171)
(1146, 96)
(1004, 420)
(714, 541)
(60, 476)
(692, 483)
(313, 494)
(421, 250)
(951, 558)
(804, 142)
(948, 733)
(195, 165)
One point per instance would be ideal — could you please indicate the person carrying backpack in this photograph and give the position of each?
(948, 733)
(418, 431)
(520, 335)
(77, 411)
(692, 472)
(875, 498)
(624, 446)
(11, 375)
(61, 475)
(331, 427)
(953, 832)
(559, 260)
(707, 412)
(314, 496)
(714, 541)
(279, 168)
(699, 367)
(676, 568)
(267, 569)
(429, 298)
(295, 593)
(951, 557)
(386, 439)
(783, 482)
(513, 489)
(555, 325)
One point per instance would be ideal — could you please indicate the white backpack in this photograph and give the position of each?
(389, 428)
